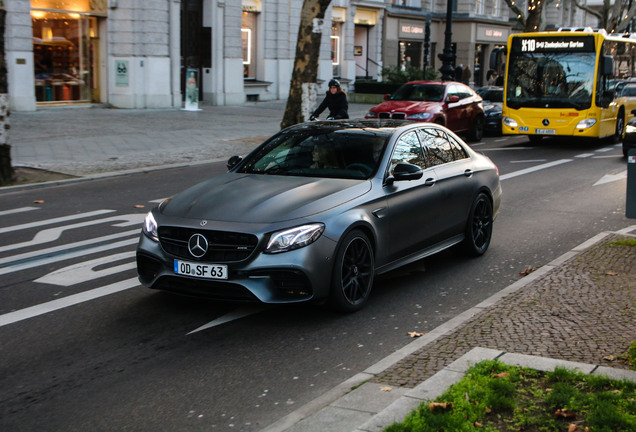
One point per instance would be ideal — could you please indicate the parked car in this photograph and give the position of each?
(448, 103)
(319, 209)
(629, 139)
(493, 107)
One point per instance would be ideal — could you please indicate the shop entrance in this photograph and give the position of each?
(65, 56)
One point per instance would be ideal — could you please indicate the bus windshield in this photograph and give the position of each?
(550, 80)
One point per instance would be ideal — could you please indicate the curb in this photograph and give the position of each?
(352, 406)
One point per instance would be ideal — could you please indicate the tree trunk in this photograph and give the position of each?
(533, 22)
(6, 170)
(302, 90)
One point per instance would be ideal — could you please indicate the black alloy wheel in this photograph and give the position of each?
(353, 273)
(620, 128)
(479, 226)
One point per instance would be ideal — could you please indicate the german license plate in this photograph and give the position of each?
(200, 270)
(545, 131)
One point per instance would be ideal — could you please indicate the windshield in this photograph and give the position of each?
(551, 80)
(319, 152)
(491, 95)
(419, 92)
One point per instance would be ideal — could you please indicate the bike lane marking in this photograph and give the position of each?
(18, 210)
(54, 220)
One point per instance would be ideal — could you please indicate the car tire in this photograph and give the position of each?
(479, 226)
(478, 129)
(620, 128)
(354, 268)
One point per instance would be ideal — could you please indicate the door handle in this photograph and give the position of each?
(468, 173)
(429, 182)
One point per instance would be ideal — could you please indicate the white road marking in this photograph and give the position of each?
(54, 220)
(609, 178)
(43, 308)
(81, 252)
(605, 149)
(52, 234)
(584, 155)
(236, 314)
(68, 246)
(529, 161)
(83, 272)
(18, 210)
(534, 168)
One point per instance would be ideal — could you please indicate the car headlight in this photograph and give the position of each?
(420, 116)
(294, 238)
(509, 122)
(371, 114)
(630, 129)
(586, 123)
(150, 227)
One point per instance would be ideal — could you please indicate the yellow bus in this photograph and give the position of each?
(563, 83)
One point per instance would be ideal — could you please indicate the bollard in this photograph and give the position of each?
(630, 206)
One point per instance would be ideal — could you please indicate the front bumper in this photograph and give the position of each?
(296, 276)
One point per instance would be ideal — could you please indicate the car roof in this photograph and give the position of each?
(383, 127)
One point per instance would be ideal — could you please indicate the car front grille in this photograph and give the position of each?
(396, 116)
(223, 246)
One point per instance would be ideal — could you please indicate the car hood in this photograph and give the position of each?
(406, 106)
(257, 198)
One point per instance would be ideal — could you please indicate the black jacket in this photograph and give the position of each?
(337, 105)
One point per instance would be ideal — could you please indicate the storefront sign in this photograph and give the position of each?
(121, 73)
(411, 30)
(492, 34)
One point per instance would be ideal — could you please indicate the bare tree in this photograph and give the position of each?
(530, 19)
(6, 170)
(305, 73)
(614, 17)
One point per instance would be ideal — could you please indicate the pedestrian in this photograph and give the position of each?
(466, 75)
(459, 72)
(336, 101)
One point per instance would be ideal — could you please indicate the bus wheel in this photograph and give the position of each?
(620, 128)
(535, 139)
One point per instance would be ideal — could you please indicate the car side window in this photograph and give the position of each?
(437, 147)
(464, 92)
(458, 151)
(408, 150)
(452, 91)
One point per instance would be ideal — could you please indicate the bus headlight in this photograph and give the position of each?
(586, 123)
(507, 121)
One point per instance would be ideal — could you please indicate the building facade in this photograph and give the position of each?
(164, 53)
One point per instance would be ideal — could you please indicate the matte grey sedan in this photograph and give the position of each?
(319, 209)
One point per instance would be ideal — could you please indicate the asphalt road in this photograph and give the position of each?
(84, 347)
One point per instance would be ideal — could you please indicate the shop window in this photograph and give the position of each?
(62, 56)
(335, 49)
(410, 55)
(248, 35)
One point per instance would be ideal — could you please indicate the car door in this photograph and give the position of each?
(453, 108)
(413, 205)
(455, 178)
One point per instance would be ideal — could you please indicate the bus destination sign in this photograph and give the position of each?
(553, 44)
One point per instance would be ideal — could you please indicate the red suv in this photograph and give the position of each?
(448, 103)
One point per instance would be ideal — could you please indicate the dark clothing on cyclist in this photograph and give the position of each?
(335, 101)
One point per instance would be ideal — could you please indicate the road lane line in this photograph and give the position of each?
(534, 168)
(54, 220)
(43, 308)
(18, 210)
(67, 247)
(84, 271)
(239, 313)
(81, 252)
(529, 161)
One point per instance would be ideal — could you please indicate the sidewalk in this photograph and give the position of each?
(578, 311)
(83, 141)
(580, 307)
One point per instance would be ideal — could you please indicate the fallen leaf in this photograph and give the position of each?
(611, 273)
(609, 358)
(414, 334)
(440, 406)
(38, 201)
(386, 389)
(528, 270)
(572, 427)
(564, 414)
(502, 375)
(477, 424)
(139, 206)
(488, 410)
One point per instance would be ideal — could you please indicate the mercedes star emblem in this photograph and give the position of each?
(545, 122)
(198, 245)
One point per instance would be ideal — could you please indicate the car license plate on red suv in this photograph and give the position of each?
(200, 270)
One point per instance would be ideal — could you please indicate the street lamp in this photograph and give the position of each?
(448, 57)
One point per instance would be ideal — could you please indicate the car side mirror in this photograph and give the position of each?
(233, 161)
(453, 98)
(387, 96)
(405, 171)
